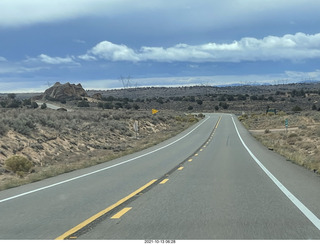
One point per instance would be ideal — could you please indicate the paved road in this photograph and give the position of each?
(230, 188)
(47, 209)
(52, 106)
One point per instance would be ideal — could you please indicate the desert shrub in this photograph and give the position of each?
(224, 105)
(26, 102)
(296, 109)
(254, 97)
(199, 102)
(270, 113)
(22, 126)
(163, 119)
(292, 135)
(281, 113)
(83, 104)
(34, 105)
(14, 104)
(135, 106)
(18, 164)
(44, 106)
(3, 129)
(11, 96)
(192, 119)
(316, 131)
(242, 97)
(118, 105)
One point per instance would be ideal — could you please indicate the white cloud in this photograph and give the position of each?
(288, 47)
(26, 12)
(109, 51)
(180, 13)
(55, 60)
(43, 58)
(2, 59)
(298, 75)
(87, 57)
(17, 68)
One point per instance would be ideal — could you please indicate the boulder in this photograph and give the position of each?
(64, 92)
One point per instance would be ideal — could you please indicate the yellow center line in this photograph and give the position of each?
(108, 209)
(164, 181)
(190, 160)
(180, 168)
(120, 213)
(218, 122)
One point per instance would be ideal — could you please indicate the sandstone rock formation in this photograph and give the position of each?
(64, 92)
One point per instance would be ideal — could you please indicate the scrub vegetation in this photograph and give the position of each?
(299, 143)
(36, 143)
(67, 128)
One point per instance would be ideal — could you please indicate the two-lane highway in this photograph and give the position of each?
(230, 187)
(47, 209)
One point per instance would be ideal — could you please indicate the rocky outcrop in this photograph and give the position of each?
(97, 96)
(64, 92)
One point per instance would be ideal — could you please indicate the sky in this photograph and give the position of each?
(101, 43)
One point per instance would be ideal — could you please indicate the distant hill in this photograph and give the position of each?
(166, 92)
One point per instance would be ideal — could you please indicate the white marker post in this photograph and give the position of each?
(136, 127)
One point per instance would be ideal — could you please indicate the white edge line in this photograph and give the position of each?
(106, 168)
(314, 219)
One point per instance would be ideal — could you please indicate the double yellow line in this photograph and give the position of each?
(71, 233)
(82, 225)
(218, 122)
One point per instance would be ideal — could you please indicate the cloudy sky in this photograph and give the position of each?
(157, 42)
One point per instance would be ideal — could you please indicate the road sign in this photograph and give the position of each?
(154, 111)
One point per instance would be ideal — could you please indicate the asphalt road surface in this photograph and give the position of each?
(213, 181)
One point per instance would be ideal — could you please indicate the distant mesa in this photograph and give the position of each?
(64, 92)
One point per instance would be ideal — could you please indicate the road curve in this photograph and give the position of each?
(223, 192)
(47, 209)
(213, 181)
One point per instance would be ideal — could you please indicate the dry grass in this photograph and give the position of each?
(300, 144)
(58, 142)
